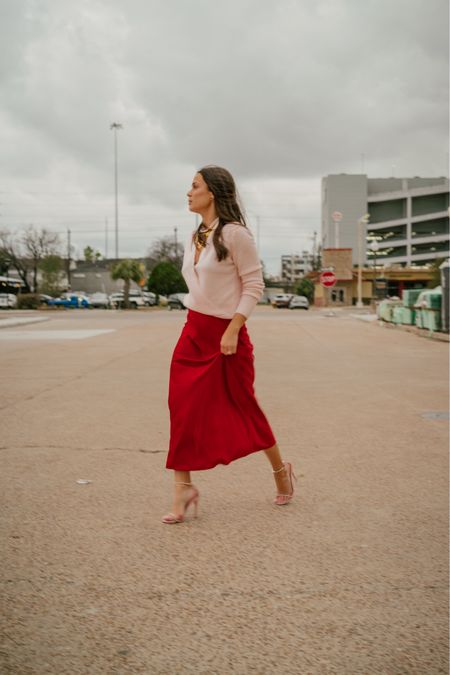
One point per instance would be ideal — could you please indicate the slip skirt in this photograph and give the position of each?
(214, 415)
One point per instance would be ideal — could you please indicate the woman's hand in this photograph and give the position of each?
(229, 341)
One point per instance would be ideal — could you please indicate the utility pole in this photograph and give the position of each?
(175, 231)
(106, 238)
(361, 222)
(314, 251)
(115, 126)
(68, 260)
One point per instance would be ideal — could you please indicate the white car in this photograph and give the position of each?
(99, 300)
(135, 301)
(8, 301)
(298, 302)
(149, 298)
(281, 299)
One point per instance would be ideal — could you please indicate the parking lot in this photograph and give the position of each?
(350, 578)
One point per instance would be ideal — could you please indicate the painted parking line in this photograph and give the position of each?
(52, 334)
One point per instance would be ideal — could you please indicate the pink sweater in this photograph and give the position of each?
(229, 286)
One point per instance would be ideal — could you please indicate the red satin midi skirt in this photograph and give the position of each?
(214, 415)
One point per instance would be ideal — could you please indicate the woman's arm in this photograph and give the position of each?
(245, 257)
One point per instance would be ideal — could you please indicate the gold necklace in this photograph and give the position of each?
(201, 238)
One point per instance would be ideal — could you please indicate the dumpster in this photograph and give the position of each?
(410, 296)
(431, 318)
(386, 307)
(428, 309)
(445, 285)
(397, 314)
(408, 316)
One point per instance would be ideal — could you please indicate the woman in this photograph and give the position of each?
(214, 416)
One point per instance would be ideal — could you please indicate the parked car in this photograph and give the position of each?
(149, 298)
(44, 299)
(8, 301)
(135, 301)
(299, 302)
(281, 300)
(70, 300)
(175, 301)
(99, 300)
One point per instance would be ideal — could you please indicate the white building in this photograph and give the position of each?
(294, 267)
(409, 217)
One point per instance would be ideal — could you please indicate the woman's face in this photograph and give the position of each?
(200, 198)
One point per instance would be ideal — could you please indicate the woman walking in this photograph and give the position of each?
(214, 415)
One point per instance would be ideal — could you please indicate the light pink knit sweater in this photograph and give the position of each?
(229, 286)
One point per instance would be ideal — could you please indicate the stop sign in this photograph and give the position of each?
(328, 279)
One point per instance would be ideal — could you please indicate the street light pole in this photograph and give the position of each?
(115, 126)
(374, 248)
(361, 222)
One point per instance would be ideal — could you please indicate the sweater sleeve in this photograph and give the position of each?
(249, 268)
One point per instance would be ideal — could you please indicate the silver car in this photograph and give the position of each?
(99, 300)
(298, 302)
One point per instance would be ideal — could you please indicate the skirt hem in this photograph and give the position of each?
(242, 453)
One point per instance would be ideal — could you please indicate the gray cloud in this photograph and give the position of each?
(281, 93)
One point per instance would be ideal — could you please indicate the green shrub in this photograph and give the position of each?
(28, 301)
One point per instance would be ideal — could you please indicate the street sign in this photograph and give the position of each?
(328, 279)
(336, 216)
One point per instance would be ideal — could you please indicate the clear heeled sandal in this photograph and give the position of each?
(172, 518)
(283, 499)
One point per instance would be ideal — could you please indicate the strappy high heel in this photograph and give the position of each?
(281, 499)
(171, 518)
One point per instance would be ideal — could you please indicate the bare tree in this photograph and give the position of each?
(11, 252)
(38, 244)
(165, 249)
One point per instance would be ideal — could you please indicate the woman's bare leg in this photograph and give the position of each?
(181, 491)
(281, 477)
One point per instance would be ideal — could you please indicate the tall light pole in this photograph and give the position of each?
(374, 248)
(361, 222)
(115, 126)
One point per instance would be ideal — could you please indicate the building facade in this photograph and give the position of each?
(408, 218)
(294, 267)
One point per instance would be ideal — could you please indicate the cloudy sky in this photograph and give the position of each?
(281, 92)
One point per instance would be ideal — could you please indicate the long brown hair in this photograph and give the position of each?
(221, 183)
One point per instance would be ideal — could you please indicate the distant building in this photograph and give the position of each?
(294, 267)
(92, 277)
(409, 217)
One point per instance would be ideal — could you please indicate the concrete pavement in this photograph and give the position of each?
(350, 578)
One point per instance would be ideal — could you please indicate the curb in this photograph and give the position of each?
(420, 332)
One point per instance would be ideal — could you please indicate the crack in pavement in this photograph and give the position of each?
(75, 447)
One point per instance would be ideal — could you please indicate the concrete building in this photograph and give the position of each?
(96, 277)
(409, 217)
(294, 267)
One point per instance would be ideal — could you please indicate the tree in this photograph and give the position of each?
(128, 270)
(165, 250)
(12, 255)
(305, 287)
(165, 279)
(51, 267)
(38, 244)
(5, 262)
(90, 255)
(435, 273)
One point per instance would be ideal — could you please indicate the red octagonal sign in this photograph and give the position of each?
(328, 279)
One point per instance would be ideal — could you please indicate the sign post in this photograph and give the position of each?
(327, 280)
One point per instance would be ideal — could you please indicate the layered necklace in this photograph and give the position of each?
(201, 236)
